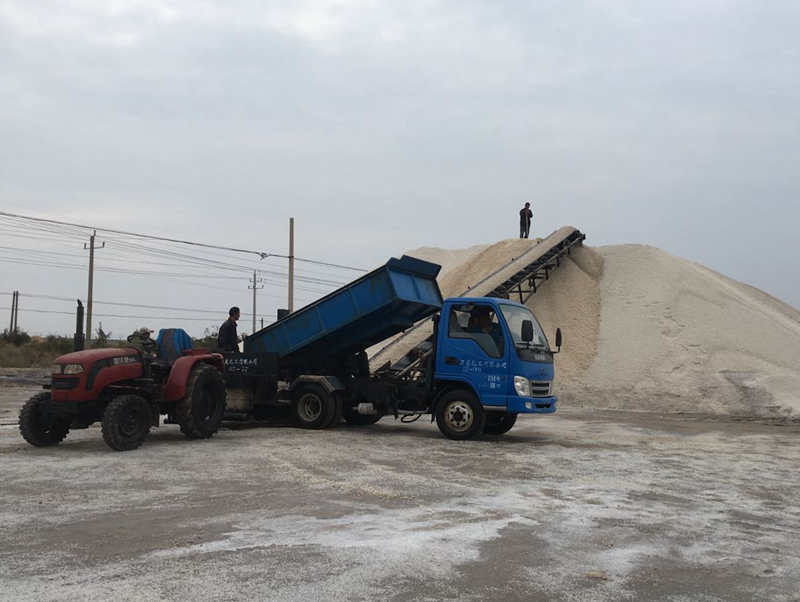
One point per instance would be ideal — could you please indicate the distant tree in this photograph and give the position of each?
(101, 340)
(208, 340)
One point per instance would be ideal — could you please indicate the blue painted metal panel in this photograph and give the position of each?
(404, 285)
(358, 315)
(492, 378)
(428, 290)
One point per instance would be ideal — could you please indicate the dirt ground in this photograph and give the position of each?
(581, 505)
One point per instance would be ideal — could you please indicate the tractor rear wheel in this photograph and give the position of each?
(37, 426)
(200, 412)
(313, 407)
(499, 424)
(126, 422)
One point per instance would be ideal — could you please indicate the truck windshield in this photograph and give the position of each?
(514, 317)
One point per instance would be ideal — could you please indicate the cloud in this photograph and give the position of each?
(421, 123)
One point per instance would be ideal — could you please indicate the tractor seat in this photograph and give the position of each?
(172, 342)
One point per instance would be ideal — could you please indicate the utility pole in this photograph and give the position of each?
(291, 264)
(16, 312)
(255, 287)
(13, 301)
(91, 248)
(77, 343)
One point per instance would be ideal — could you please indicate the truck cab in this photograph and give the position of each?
(496, 350)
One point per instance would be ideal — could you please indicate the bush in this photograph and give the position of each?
(16, 337)
(26, 352)
(208, 341)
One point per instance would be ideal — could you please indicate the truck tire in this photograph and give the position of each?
(313, 407)
(126, 422)
(499, 423)
(37, 427)
(459, 415)
(200, 412)
(337, 413)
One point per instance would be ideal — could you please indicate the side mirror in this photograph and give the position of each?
(527, 331)
(558, 339)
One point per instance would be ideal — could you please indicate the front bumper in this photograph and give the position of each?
(531, 405)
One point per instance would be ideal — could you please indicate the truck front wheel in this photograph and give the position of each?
(459, 415)
(499, 423)
(38, 426)
(126, 422)
(313, 408)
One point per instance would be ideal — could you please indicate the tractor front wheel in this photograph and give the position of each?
(126, 422)
(38, 426)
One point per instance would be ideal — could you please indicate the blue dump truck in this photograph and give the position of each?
(486, 362)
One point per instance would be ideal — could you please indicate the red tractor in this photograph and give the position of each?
(128, 389)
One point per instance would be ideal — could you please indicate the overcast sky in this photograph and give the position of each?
(384, 126)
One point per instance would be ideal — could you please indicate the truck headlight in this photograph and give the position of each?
(57, 368)
(522, 386)
(73, 368)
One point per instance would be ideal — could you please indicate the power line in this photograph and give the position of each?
(332, 265)
(136, 234)
(261, 254)
(69, 313)
(198, 261)
(118, 270)
(125, 304)
(120, 303)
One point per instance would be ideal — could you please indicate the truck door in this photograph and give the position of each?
(472, 348)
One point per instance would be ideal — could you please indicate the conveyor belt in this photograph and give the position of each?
(538, 269)
(520, 282)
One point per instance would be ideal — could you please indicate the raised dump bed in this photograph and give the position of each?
(366, 311)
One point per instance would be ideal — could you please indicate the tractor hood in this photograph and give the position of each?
(90, 356)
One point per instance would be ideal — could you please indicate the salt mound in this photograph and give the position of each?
(645, 330)
(677, 336)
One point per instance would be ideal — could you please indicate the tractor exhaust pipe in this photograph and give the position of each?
(79, 340)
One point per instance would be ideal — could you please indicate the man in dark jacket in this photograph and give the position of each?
(226, 338)
(525, 215)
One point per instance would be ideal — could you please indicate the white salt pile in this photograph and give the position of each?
(645, 330)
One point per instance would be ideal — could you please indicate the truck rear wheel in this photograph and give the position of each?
(126, 422)
(313, 408)
(37, 426)
(499, 423)
(200, 412)
(459, 415)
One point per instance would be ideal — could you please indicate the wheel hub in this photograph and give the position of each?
(130, 423)
(309, 407)
(459, 416)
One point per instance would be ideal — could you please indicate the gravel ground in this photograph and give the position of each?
(581, 505)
